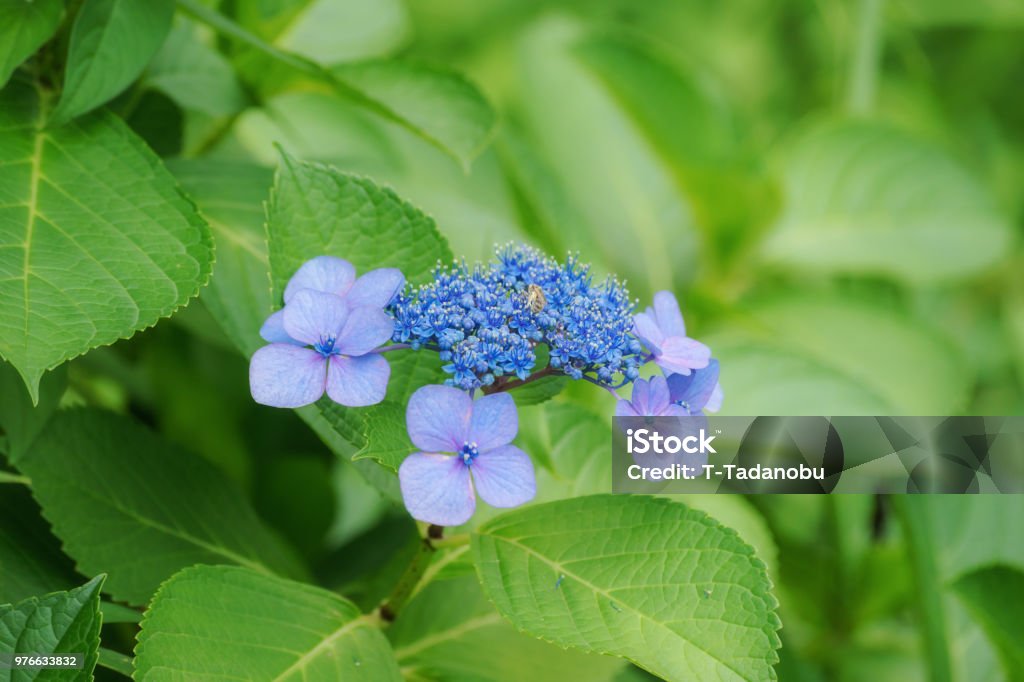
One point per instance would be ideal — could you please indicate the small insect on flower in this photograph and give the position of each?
(535, 299)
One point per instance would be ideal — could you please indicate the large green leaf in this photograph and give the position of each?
(806, 354)
(59, 623)
(865, 199)
(995, 597)
(214, 622)
(96, 240)
(195, 75)
(128, 503)
(439, 105)
(111, 43)
(21, 421)
(24, 27)
(450, 632)
(643, 578)
(315, 210)
(230, 196)
(31, 562)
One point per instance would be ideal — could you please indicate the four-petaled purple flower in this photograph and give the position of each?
(661, 329)
(476, 435)
(331, 275)
(339, 359)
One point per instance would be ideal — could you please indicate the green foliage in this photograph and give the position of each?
(995, 595)
(642, 578)
(123, 499)
(99, 241)
(24, 26)
(111, 43)
(790, 351)
(209, 619)
(31, 561)
(451, 632)
(864, 198)
(58, 623)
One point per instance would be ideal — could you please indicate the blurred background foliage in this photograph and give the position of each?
(833, 188)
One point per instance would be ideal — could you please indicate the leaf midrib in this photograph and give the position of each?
(300, 664)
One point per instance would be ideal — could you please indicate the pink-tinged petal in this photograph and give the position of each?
(714, 403)
(494, 421)
(436, 489)
(504, 477)
(680, 354)
(283, 375)
(675, 411)
(645, 326)
(438, 418)
(273, 330)
(325, 274)
(666, 311)
(657, 396)
(623, 408)
(313, 316)
(376, 288)
(359, 381)
(365, 329)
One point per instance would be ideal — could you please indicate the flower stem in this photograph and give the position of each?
(415, 572)
(503, 384)
(394, 346)
(865, 57)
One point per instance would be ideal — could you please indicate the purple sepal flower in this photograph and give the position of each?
(331, 350)
(698, 390)
(650, 398)
(465, 446)
(337, 276)
(661, 329)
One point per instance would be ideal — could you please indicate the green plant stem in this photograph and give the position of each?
(920, 543)
(865, 57)
(6, 477)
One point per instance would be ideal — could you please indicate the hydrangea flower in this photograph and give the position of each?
(336, 354)
(337, 276)
(662, 331)
(465, 447)
(650, 398)
(697, 391)
(487, 321)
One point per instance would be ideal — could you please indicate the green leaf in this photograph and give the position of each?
(439, 105)
(111, 43)
(386, 439)
(806, 354)
(20, 421)
(865, 199)
(642, 578)
(358, 29)
(31, 562)
(126, 502)
(451, 632)
(59, 623)
(230, 196)
(316, 210)
(96, 240)
(116, 661)
(207, 620)
(24, 27)
(195, 75)
(995, 596)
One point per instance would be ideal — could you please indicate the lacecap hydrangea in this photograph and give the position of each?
(495, 327)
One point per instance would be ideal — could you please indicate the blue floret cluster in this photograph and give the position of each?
(489, 321)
